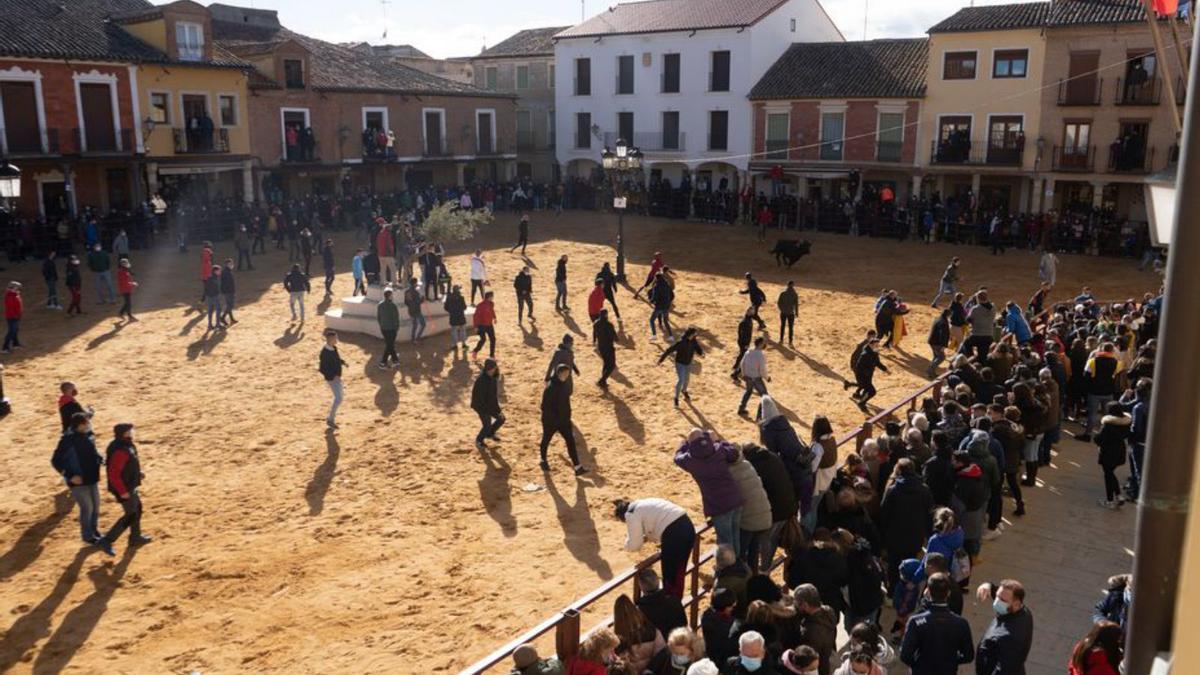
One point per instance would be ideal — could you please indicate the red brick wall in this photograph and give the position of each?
(58, 94)
(805, 130)
(760, 128)
(862, 121)
(911, 118)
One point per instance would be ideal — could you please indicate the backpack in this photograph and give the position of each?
(960, 566)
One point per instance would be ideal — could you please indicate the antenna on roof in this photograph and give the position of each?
(866, 13)
(384, 4)
(583, 10)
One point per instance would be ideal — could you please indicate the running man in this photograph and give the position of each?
(949, 282)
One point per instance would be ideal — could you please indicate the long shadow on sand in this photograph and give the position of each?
(28, 546)
(579, 530)
(318, 486)
(34, 625)
(495, 493)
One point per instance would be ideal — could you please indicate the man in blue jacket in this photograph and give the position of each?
(937, 641)
(1006, 642)
(78, 461)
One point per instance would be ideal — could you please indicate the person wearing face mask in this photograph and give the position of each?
(751, 658)
(124, 477)
(937, 641)
(1006, 642)
(716, 625)
(859, 663)
(78, 462)
(684, 648)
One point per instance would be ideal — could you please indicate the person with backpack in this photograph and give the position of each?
(124, 472)
(948, 540)
(485, 401)
(78, 462)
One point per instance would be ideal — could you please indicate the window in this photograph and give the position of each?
(553, 130)
(959, 66)
(227, 110)
(189, 41)
(625, 74)
(583, 77)
(550, 77)
(777, 135)
(1140, 86)
(160, 107)
(1076, 145)
(832, 125)
(435, 126)
(625, 127)
(670, 74)
(793, 25)
(485, 139)
(670, 131)
(22, 131)
(718, 129)
(890, 137)
(293, 73)
(1006, 139)
(490, 77)
(524, 130)
(718, 79)
(1010, 63)
(583, 131)
(954, 139)
(522, 77)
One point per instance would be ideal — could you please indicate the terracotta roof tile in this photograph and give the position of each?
(656, 16)
(77, 29)
(531, 42)
(871, 69)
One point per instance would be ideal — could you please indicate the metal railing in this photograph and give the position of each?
(43, 143)
(302, 152)
(196, 141)
(1003, 153)
(566, 623)
(1144, 93)
(1074, 158)
(120, 142)
(1080, 91)
(1130, 161)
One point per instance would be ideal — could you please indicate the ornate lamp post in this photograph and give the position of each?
(619, 166)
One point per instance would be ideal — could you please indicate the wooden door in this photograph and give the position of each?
(1081, 85)
(96, 101)
(21, 130)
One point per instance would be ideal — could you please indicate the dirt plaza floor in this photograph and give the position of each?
(394, 545)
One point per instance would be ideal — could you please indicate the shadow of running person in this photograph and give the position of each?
(34, 624)
(323, 306)
(495, 493)
(531, 338)
(77, 626)
(820, 368)
(293, 334)
(206, 344)
(627, 421)
(571, 324)
(28, 546)
(318, 486)
(95, 342)
(579, 530)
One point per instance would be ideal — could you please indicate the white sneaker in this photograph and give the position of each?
(992, 534)
(1107, 504)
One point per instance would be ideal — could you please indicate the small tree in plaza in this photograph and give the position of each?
(447, 222)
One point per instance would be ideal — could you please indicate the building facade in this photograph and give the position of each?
(671, 77)
(323, 116)
(523, 65)
(819, 115)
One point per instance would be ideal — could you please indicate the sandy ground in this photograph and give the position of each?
(281, 547)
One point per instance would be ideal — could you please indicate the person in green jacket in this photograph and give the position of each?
(388, 315)
(101, 265)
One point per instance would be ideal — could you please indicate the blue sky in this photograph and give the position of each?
(461, 27)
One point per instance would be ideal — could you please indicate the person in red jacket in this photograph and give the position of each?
(124, 476)
(484, 322)
(206, 258)
(656, 265)
(1100, 652)
(595, 304)
(14, 307)
(596, 655)
(125, 286)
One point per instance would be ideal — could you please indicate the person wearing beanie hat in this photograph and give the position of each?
(565, 354)
(124, 476)
(527, 662)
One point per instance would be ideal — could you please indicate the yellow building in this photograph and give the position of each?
(981, 117)
(192, 112)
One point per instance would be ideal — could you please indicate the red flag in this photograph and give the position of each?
(1165, 7)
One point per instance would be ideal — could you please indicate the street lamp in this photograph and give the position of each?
(619, 166)
(1160, 205)
(10, 181)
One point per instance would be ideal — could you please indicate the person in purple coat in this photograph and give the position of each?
(708, 460)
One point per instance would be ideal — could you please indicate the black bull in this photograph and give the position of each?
(790, 250)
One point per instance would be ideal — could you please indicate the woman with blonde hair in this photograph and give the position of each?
(597, 653)
(684, 648)
(640, 640)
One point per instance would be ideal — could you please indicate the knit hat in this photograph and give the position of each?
(525, 655)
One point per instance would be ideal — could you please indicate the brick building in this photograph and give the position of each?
(826, 109)
(321, 114)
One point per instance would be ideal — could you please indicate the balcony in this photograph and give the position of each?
(305, 151)
(888, 151)
(1000, 153)
(494, 146)
(776, 150)
(650, 141)
(1144, 93)
(470, 147)
(26, 145)
(527, 141)
(1132, 159)
(198, 142)
(120, 143)
(1080, 91)
(1075, 158)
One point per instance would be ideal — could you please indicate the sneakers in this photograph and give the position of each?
(104, 545)
(383, 366)
(140, 540)
(545, 466)
(992, 534)
(1112, 505)
(580, 469)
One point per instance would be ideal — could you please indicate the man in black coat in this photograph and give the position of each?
(523, 285)
(228, 291)
(605, 336)
(330, 366)
(124, 479)
(937, 641)
(756, 297)
(664, 610)
(78, 462)
(1006, 642)
(781, 493)
(485, 401)
(904, 517)
(745, 332)
(556, 417)
(864, 373)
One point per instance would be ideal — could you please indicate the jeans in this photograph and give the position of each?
(567, 434)
(418, 326)
(1137, 452)
(663, 318)
(787, 322)
(524, 300)
(682, 374)
(52, 293)
(296, 298)
(389, 347)
(127, 305)
(131, 518)
(486, 334)
(728, 528)
(458, 335)
(560, 298)
(1095, 406)
(359, 287)
(939, 355)
(244, 254)
(944, 288)
(104, 287)
(753, 384)
(214, 309)
(88, 499)
(476, 285)
(10, 338)
(752, 547)
(335, 386)
(227, 310)
(489, 425)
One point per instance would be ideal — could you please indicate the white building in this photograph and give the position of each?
(672, 77)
